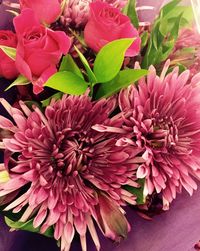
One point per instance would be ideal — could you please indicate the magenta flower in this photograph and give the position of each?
(76, 12)
(68, 174)
(107, 24)
(162, 116)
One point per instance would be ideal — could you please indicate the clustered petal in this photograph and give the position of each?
(162, 116)
(68, 173)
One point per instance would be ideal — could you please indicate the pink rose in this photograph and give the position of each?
(106, 24)
(39, 49)
(46, 10)
(7, 65)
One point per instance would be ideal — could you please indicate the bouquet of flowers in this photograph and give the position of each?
(104, 116)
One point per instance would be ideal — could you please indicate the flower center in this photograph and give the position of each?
(110, 15)
(3, 37)
(34, 35)
(165, 134)
(70, 155)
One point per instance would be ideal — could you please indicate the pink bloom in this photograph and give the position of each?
(162, 115)
(47, 11)
(76, 12)
(39, 49)
(106, 24)
(188, 38)
(7, 65)
(68, 173)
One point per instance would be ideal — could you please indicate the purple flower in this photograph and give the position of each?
(162, 116)
(67, 173)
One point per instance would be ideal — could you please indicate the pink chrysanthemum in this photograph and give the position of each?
(162, 116)
(187, 50)
(67, 173)
(76, 12)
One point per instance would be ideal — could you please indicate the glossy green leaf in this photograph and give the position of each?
(91, 76)
(27, 226)
(130, 11)
(67, 82)
(110, 59)
(21, 80)
(139, 192)
(68, 64)
(124, 79)
(9, 51)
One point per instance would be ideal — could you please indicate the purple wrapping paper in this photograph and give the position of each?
(175, 230)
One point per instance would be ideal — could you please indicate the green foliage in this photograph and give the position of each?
(68, 64)
(67, 82)
(27, 226)
(165, 32)
(107, 65)
(130, 11)
(138, 192)
(144, 39)
(21, 80)
(9, 51)
(91, 76)
(122, 80)
(110, 59)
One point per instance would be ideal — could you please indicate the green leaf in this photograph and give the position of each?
(182, 68)
(47, 101)
(163, 28)
(138, 192)
(27, 226)
(169, 7)
(110, 59)
(124, 79)
(164, 34)
(130, 11)
(9, 51)
(176, 27)
(68, 64)
(21, 80)
(67, 82)
(144, 38)
(187, 15)
(90, 73)
(79, 36)
(157, 38)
